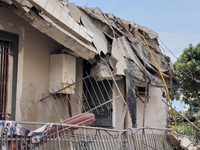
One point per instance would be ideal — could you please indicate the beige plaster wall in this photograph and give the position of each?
(33, 67)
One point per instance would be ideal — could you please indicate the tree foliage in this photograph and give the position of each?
(187, 68)
(183, 127)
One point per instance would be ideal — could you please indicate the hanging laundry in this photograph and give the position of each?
(8, 128)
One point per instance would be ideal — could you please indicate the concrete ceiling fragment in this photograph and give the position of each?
(130, 51)
(152, 34)
(99, 39)
(56, 23)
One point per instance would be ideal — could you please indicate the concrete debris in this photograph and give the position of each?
(74, 12)
(127, 48)
(152, 34)
(92, 34)
(56, 23)
(99, 39)
(87, 32)
(104, 73)
(182, 143)
(186, 144)
(113, 62)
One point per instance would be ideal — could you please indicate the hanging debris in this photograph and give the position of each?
(131, 98)
(130, 51)
(87, 32)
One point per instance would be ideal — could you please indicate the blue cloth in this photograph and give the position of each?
(13, 128)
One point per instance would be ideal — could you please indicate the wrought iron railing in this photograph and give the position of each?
(86, 138)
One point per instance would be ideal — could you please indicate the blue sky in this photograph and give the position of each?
(176, 21)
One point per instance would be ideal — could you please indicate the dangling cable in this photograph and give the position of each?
(162, 79)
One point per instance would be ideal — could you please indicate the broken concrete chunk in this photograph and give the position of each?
(111, 16)
(185, 143)
(182, 142)
(152, 34)
(191, 147)
(113, 62)
(74, 12)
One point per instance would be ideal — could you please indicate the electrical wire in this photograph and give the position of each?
(161, 77)
(179, 67)
(191, 77)
(84, 145)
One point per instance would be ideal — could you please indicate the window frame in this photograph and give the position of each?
(105, 120)
(14, 43)
(141, 90)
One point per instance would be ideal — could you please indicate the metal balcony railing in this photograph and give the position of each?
(81, 139)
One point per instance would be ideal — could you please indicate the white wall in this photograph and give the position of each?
(118, 105)
(155, 113)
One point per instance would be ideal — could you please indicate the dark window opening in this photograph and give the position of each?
(96, 93)
(142, 90)
(8, 74)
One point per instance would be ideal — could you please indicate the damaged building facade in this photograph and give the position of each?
(38, 39)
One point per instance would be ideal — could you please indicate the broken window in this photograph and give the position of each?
(8, 74)
(97, 93)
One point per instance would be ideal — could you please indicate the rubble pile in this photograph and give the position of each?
(182, 143)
